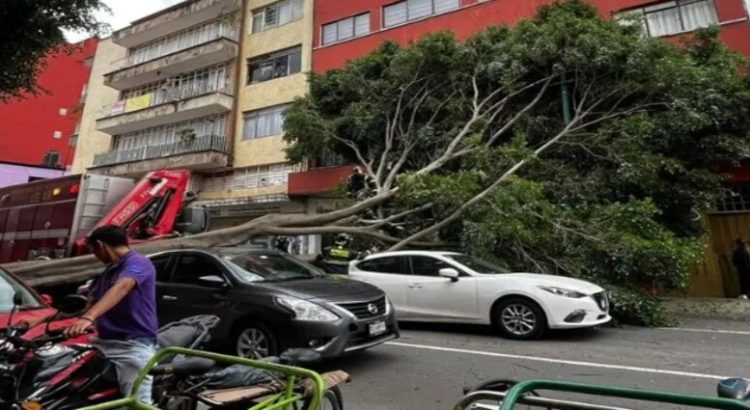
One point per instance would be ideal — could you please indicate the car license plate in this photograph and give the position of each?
(377, 328)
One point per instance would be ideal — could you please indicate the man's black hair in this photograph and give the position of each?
(111, 235)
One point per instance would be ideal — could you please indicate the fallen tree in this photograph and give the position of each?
(566, 144)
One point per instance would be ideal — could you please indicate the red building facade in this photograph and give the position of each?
(374, 21)
(37, 129)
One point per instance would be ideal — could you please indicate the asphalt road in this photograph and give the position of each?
(428, 367)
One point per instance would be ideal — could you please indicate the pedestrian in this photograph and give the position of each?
(741, 262)
(122, 308)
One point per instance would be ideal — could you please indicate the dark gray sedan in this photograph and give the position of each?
(269, 301)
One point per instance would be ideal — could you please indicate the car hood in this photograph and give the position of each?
(328, 289)
(559, 281)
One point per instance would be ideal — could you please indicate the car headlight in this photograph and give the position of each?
(568, 293)
(388, 306)
(304, 310)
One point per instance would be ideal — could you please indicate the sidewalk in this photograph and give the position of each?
(709, 308)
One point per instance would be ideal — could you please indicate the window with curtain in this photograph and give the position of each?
(672, 17)
(263, 123)
(276, 65)
(277, 14)
(404, 11)
(347, 28)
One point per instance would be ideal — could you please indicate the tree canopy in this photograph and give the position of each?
(31, 29)
(565, 144)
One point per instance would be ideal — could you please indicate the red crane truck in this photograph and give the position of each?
(50, 218)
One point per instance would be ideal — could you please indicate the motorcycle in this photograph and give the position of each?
(46, 373)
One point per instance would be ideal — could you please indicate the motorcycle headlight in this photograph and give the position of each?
(568, 293)
(304, 310)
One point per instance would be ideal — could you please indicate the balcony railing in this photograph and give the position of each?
(177, 42)
(218, 143)
(164, 95)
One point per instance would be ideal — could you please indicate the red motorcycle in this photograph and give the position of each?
(45, 373)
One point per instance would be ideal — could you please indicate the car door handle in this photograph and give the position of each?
(169, 297)
(415, 286)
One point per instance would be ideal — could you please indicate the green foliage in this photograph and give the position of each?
(31, 29)
(616, 200)
(638, 308)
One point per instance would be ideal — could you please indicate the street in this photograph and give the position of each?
(430, 364)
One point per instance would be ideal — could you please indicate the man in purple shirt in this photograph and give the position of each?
(123, 308)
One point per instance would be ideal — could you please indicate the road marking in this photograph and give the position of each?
(560, 361)
(687, 329)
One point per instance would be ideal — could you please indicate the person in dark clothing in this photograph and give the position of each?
(741, 262)
(335, 259)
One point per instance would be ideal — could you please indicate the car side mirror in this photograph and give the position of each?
(213, 281)
(47, 299)
(17, 299)
(72, 304)
(449, 273)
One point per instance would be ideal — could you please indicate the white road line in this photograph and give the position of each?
(560, 361)
(687, 329)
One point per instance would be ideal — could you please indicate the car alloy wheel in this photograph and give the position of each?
(253, 343)
(518, 319)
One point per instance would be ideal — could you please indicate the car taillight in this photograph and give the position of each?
(74, 189)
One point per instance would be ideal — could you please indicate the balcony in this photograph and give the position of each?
(318, 180)
(165, 107)
(176, 18)
(215, 51)
(202, 153)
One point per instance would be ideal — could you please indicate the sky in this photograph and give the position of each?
(124, 12)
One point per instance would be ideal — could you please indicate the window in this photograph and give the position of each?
(190, 268)
(51, 159)
(73, 140)
(161, 263)
(409, 10)
(672, 17)
(395, 265)
(263, 123)
(170, 133)
(427, 266)
(346, 28)
(251, 177)
(279, 64)
(277, 14)
(57, 135)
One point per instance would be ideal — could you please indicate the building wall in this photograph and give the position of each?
(473, 17)
(269, 150)
(91, 141)
(16, 174)
(35, 124)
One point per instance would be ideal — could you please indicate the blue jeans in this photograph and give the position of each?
(129, 358)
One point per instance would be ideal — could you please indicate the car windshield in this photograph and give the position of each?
(10, 286)
(478, 265)
(270, 267)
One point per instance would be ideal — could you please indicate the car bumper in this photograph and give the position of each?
(568, 313)
(347, 335)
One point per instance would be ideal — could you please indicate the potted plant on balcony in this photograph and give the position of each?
(186, 135)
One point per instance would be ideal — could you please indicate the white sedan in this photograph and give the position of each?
(452, 287)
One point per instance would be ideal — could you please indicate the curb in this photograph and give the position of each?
(709, 308)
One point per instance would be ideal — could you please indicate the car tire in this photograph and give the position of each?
(331, 400)
(254, 340)
(519, 318)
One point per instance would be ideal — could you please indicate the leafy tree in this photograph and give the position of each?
(31, 29)
(565, 144)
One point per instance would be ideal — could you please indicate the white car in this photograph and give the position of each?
(453, 287)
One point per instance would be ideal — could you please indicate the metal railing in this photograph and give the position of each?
(218, 143)
(176, 13)
(168, 94)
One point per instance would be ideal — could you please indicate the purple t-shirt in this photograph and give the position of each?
(135, 316)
